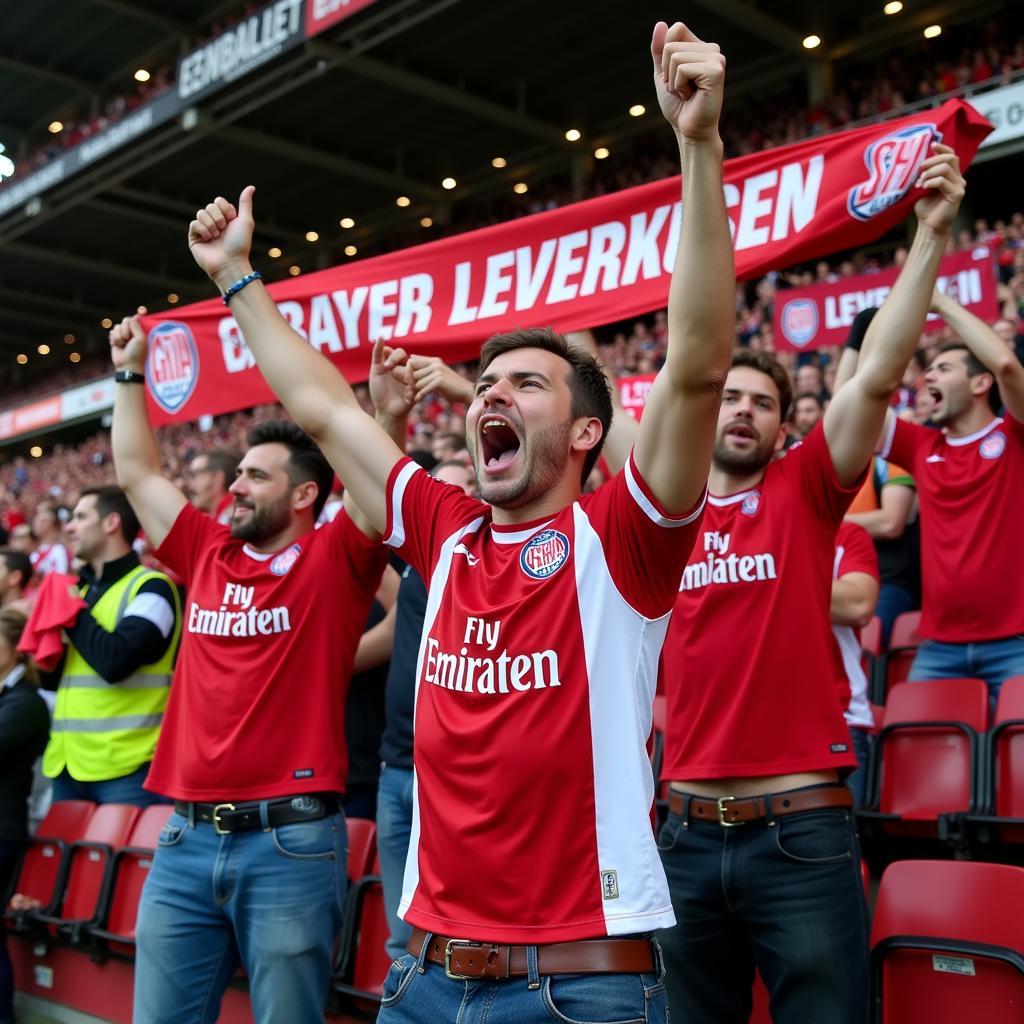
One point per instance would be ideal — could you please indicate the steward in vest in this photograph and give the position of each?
(117, 672)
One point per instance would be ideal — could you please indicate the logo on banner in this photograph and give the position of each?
(172, 368)
(800, 321)
(993, 446)
(284, 561)
(894, 162)
(545, 554)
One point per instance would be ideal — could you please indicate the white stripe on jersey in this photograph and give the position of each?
(647, 506)
(437, 585)
(397, 538)
(622, 650)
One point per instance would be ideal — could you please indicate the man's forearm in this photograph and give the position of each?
(700, 306)
(307, 384)
(134, 448)
(896, 328)
(991, 351)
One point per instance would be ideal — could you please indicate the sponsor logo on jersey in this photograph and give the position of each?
(751, 503)
(993, 446)
(799, 321)
(461, 549)
(285, 560)
(935, 458)
(731, 569)
(544, 554)
(893, 162)
(172, 366)
(610, 884)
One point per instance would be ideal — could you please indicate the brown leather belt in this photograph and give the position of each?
(737, 810)
(463, 959)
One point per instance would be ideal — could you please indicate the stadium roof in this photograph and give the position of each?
(385, 102)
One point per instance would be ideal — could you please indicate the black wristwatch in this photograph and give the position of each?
(129, 377)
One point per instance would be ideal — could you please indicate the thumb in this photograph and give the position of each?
(245, 202)
(658, 44)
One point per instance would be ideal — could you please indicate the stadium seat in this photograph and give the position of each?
(945, 946)
(364, 960)
(871, 648)
(115, 924)
(43, 866)
(362, 846)
(1003, 768)
(894, 664)
(925, 762)
(89, 864)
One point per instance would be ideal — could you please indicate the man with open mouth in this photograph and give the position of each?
(533, 880)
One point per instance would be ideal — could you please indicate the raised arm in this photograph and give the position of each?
(673, 446)
(316, 395)
(854, 418)
(156, 501)
(990, 350)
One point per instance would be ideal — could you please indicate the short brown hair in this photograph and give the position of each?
(588, 386)
(766, 363)
(12, 625)
(109, 499)
(18, 561)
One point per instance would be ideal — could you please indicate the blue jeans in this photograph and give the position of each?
(430, 997)
(785, 897)
(893, 600)
(394, 824)
(268, 900)
(125, 790)
(992, 660)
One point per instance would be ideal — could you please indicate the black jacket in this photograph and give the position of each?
(24, 730)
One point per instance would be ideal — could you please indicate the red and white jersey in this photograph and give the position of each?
(257, 706)
(535, 681)
(49, 558)
(749, 665)
(855, 552)
(222, 513)
(972, 561)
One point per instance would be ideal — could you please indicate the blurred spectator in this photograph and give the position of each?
(116, 676)
(15, 576)
(50, 554)
(209, 476)
(807, 410)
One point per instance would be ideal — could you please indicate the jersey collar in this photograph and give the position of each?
(976, 436)
(518, 532)
(730, 499)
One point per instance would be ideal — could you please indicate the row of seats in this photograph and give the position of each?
(885, 668)
(939, 766)
(82, 875)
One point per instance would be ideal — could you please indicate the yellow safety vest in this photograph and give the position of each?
(106, 730)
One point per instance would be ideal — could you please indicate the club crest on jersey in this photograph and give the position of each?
(799, 321)
(751, 503)
(544, 554)
(894, 162)
(993, 446)
(172, 367)
(284, 561)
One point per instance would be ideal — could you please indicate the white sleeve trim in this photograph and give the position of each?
(153, 608)
(647, 506)
(397, 536)
(888, 434)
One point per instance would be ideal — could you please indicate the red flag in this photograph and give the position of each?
(575, 267)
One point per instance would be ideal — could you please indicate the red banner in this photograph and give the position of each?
(633, 392)
(821, 314)
(324, 14)
(575, 267)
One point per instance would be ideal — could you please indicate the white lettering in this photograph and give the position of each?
(754, 207)
(496, 283)
(606, 244)
(567, 264)
(733, 569)
(462, 312)
(414, 295)
(380, 309)
(643, 245)
(798, 197)
(323, 329)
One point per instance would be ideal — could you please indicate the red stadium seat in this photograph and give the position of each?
(1004, 768)
(946, 948)
(362, 846)
(925, 761)
(89, 864)
(43, 867)
(116, 921)
(895, 663)
(361, 974)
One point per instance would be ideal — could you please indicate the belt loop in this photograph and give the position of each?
(264, 815)
(687, 797)
(532, 973)
(428, 936)
(769, 813)
(191, 814)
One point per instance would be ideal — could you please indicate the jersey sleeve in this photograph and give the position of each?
(361, 559)
(423, 513)
(192, 533)
(810, 469)
(902, 441)
(897, 475)
(645, 548)
(856, 551)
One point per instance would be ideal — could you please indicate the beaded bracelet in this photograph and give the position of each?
(240, 284)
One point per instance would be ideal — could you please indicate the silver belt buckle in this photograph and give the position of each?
(216, 818)
(462, 944)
